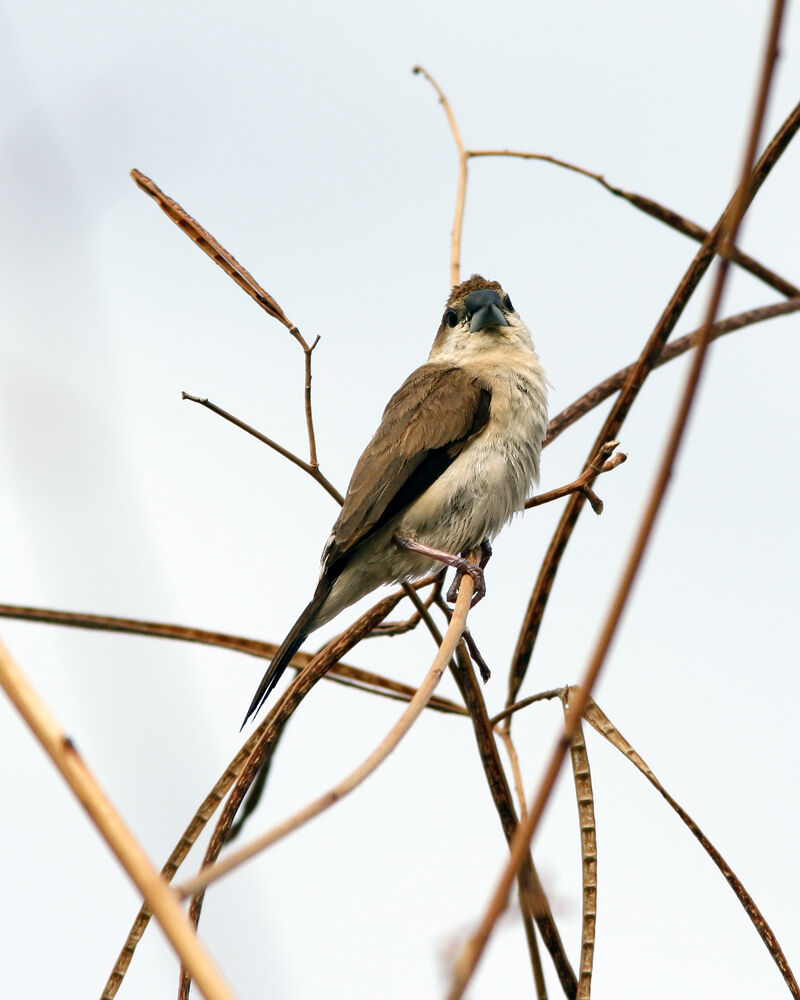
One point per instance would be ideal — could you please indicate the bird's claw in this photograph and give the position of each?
(476, 572)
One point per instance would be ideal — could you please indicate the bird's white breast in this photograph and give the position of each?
(490, 479)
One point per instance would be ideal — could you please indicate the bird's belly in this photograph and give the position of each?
(472, 500)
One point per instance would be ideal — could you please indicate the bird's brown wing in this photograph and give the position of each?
(425, 425)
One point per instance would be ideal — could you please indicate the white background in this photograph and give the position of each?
(298, 136)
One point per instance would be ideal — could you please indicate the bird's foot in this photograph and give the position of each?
(459, 563)
(486, 555)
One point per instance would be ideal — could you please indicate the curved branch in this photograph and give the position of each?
(582, 780)
(533, 901)
(656, 211)
(64, 755)
(229, 264)
(461, 188)
(583, 484)
(341, 673)
(415, 707)
(633, 383)
(269, 730)
(600, 721)
(726, 232)
(589, 400)
(312, 468)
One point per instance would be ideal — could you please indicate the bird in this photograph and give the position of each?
(453, 459)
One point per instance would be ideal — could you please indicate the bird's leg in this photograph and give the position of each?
(477, 658)
(459, 563)
(486, 555)
(472, 646)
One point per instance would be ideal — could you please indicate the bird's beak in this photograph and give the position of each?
(484, 309)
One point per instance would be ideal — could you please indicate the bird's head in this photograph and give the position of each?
(478, 317)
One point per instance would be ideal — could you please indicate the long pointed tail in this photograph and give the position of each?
(301, 629)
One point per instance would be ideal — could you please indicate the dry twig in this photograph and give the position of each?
(64, 755)
(340, 673)
(582, 778)
(533, 901)
(599, 393)
(269, 730)
(583, 484)
(597, 718)
(656, 211)
(243, 279)
(415, 707)
(470, 955)
(312, 467)
(647, 205)
(638, 373)
(461, 190)
(495, 777)
(234, 770)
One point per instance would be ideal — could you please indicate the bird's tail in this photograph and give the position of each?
(301, 629)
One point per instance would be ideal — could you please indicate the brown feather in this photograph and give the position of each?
(413, 445)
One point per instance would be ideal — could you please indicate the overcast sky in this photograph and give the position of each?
(298, 136)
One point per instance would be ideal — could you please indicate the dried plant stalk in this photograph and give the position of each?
(657, 211)
(64, 755)
(458, 621)
(600, 721)
(532, 896)
(582, 778)
(636, 378)
(728, 229)
(269, 731)
(341, 673)
(599, 393)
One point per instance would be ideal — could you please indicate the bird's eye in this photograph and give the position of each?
(451, 316)
(507, 304)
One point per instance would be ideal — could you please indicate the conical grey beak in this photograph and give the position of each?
(487, 316)
(484, 309)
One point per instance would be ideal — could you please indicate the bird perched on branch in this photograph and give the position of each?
(454, 458)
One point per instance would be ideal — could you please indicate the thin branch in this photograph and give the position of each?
(244, 280)
(255, 792)
(66, 758)
(311, 468)
(533, 900)
(499, 789)
(410, 623)
(583, 484)
(475, 654)
(461, 189)
(589, 400)
(473, 950)
(415, 707)
(341, 673)
(269, 730)
(656, 211)
(498, 786)
(597, 718)
(625, 400)
(511, 750)
(231, 773)
(187, 840)
(582, 779)
(217, 253)
(236, 766)
(312, 443)
(542, 696)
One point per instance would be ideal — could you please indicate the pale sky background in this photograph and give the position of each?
(298, 136)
